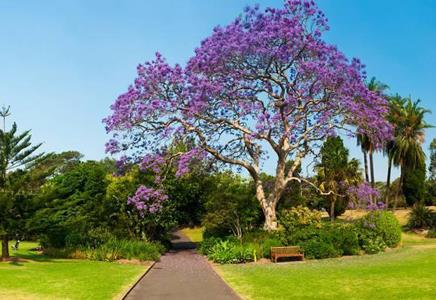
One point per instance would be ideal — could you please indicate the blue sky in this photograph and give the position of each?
(62, 63)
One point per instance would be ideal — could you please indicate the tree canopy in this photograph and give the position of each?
(266, 83)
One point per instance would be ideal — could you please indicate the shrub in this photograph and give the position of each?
(378, 230)
(421, 217)
(432, 233)
(331, 240)
(207, 244)
(112, 250)
(299, 217)
(320, 247)
(345, 238)
(228, 252)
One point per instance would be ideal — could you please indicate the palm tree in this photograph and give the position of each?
(396, 104)
(364, 141)
(410, 128)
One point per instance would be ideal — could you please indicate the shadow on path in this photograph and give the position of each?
(182, 274)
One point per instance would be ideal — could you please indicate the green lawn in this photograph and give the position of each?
(194, 234)
(39, 277)
(404, 273)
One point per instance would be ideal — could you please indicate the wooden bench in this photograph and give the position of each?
(290, 251)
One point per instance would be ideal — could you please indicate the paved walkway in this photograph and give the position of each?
(182, 274)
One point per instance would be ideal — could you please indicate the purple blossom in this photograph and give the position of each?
(266, 81)
(147, 200)
(366, 195)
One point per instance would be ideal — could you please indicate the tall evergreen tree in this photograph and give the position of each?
(335, 173)
(16, 153)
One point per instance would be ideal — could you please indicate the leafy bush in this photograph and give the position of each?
(231, 208)
(421, 217)
(207, 245)
(345, 238)
(378, 230)
(320, 247)
(228, 252)
(432, 233)
(299, 217)
(112, 250)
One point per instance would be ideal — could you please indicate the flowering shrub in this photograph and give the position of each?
(378, 230)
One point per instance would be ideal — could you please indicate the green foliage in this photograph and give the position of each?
(345, 237)
(414, 184)
(17, 157)
(432, 233)
(320, 247)
(207, 244)
(378, 230)
(231, 207)
(421, 217)
(229, 252)
(327, 240)
(71, 203)
(111, 250)
(299, 217)
(335, 173)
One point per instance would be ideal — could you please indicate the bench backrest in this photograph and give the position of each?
(286, 250)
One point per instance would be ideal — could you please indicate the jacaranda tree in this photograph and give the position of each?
(266, 83)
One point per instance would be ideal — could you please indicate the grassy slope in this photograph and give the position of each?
(404, 273)
(39, 277)
(194, 234)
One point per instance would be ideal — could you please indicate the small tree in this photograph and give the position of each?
(265, 84)
(16, 152)
(335, 174)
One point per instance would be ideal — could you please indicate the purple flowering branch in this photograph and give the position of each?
(265, 83)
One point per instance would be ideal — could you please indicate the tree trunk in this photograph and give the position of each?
(400, 188)
(365, 161)
(270, 216)
(332, 210)
(388, 182)
(371, 165)
(5, 247)
(268, 207)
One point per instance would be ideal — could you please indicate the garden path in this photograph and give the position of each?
(182, 274)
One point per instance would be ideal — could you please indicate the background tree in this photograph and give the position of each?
(16, 152)
(431, 183)
(336, 173)
(231, 207)
(265, 84)
(396, 104)
(364, 141)
(432, 167)
(408, 152)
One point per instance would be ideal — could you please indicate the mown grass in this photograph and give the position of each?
(34, 276)
(195, 234)
(403, 273)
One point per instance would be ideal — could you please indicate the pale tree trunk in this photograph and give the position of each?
(5, 247)
(270, 217)
(268, 207)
